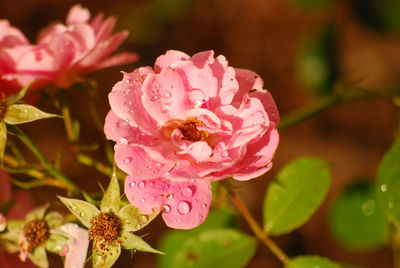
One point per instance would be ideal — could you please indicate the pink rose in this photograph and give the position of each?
(189, 121)
(63, 53)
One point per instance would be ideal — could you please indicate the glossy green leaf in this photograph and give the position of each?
(357, 221)
(84, 211)
(39, 257)
(133, 219)
(212, 248)
(388, 183)
(111, 199)
(23, 113)
(131, 241)
(106, 259)
(37, 213)
(317, 66)
(295, 195)
(3, 139)
(311, 262)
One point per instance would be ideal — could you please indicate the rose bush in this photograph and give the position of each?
(62, 54)
(188, 122)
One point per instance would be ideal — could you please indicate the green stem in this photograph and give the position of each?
(68, 124)
(51, 169)
(257, 230)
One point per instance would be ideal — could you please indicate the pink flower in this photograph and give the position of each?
(63, 53)
(189, 121)
(75, 249)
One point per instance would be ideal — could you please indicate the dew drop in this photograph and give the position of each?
(368, 207)
(197, 103)
(184, 207)
(167, 95)
(142, 200)
(170, 196)
(82, 214)
(123, 141)
(166, 187)
(391, 204)
(166, 208)
(383, 187)
(204, 205)
(132, 184)
(188, 191)
(128, 160)
(164, 108)
(154, 97)
(143, 219)
(141, 184)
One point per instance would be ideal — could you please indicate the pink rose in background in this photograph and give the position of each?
(189, 121)
(63, 54)
(22, 204)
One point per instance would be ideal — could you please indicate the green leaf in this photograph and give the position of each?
(23, 113)
(37, 213)
(131, 241)
(106, 258)
(357, 221)
(55, 243)
(111, 198)
(3, 139)
(310, 262)
(39, 257)
(295, 195)
(84, 211)
(53, 219)
(211, 248)
(17, 97)
(388, 183)
(133, 219)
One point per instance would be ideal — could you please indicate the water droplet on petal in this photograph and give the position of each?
(166, 208)
(154, 97)
(128, 160)
(123, 141)
(383, 187)
(164, 108)
(197, 103)
(165, 187)
(142, 200)
(188, 191)
(167, 95)
(184, 207)
(170, 196)
(368, 207)
(141, 184)
(132, 184)
(204, 205)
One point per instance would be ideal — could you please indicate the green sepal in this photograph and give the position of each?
(38, 213)
(53, 219)
(133, 219)
(24, 113)
(106, 259)
(131, 241)
(111, 199)
(55, 243)
(17, 97)
(84, 211)
(39, 257)
(3, 140)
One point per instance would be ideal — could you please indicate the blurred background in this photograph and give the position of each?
(303, 49)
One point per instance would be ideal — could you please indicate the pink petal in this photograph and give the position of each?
(118, 59)
(164, 96)
(269, 104)
(76, 246)
(136, 162)
(247, 80)
(11, 36)
(185, 204)
(77, 14)
(125, 101)
(105, 29)
(3, 222)
(168, 58)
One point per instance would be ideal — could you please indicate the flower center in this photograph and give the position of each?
(36, 233)
(190, 131)
(105, 229)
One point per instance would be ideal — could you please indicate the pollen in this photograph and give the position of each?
(190, 131)
(105, 229)
(36, 233)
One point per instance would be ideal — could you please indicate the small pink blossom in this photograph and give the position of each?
(63, 53)
(189, 121)
(75, 249)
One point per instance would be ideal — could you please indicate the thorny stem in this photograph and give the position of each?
(58, 175)
(257, 230)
